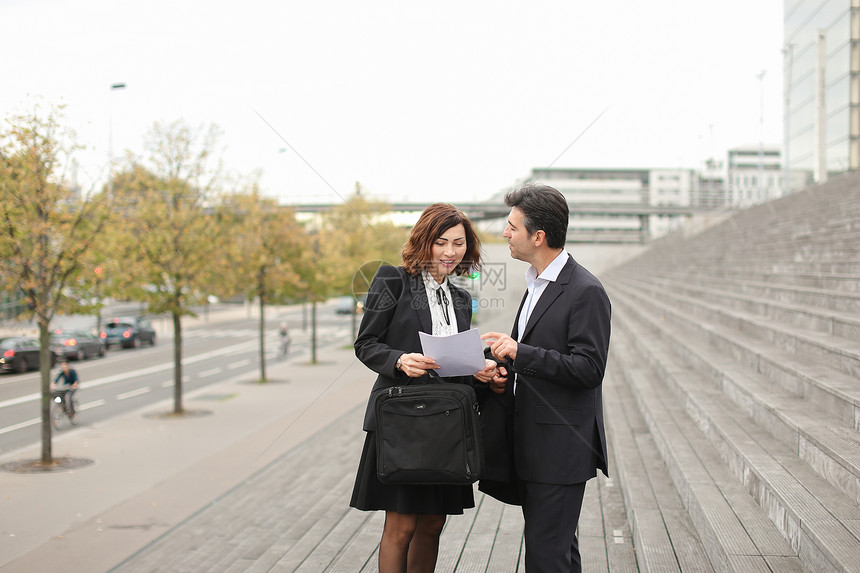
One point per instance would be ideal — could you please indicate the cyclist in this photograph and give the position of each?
(284, 335)
(69, 383)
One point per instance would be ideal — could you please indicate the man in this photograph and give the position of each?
(557, 353)
(69, 378)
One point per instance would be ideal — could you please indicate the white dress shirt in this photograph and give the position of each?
(441, 326)
(536, 285)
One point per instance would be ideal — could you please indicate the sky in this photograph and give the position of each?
(416, 101)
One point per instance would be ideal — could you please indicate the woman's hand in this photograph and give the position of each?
(416, 364)
(487, 374)
(500, 380)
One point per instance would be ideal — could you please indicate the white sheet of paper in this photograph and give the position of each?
(460, 354)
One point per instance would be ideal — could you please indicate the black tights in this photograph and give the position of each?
(410, 543)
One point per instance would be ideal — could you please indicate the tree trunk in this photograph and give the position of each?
(262, 294)
(45, 372)
(177, 364)
(314, 332)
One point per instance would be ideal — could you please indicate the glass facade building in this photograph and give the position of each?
(821, 35)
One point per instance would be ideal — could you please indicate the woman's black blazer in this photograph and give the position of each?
(395, 311)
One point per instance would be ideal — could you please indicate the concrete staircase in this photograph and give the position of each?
(736, 358)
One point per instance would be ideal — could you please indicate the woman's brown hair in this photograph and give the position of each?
(434, 221)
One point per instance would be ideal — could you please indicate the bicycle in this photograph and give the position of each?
(60, 408)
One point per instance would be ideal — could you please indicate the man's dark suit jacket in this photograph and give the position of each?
(558, 408)
(395, 311)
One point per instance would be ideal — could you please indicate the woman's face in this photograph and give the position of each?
(447, 252)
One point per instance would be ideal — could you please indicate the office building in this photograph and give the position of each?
(709, 185)
(822, 89)
(608, 187)
(753, 175)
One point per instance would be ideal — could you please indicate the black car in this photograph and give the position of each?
(21, 353)
(128, 332)
(77, 345)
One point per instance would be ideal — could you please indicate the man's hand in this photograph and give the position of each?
(500, 380)
(501, 345)
(488, 373)
(416, 364)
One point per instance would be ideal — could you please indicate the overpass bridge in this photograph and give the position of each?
(590, 222)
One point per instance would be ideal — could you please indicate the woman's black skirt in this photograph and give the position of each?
(371, 494)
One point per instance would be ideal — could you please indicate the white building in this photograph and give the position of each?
(753, 175)
(607, 187)
(709, 185)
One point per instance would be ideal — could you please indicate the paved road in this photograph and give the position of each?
(126, 379)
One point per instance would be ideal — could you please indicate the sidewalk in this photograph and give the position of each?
(149, 473)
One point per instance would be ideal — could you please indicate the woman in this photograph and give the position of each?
(402, 301)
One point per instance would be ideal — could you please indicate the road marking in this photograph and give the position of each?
(207, 373)
(20, 425)
(133, 393)
(142, 372)
(234, 349)
(90, 405)
(12, 379)
(238, 364)
(21, 400)
(35, 421)
(166, 384)
(235, 352)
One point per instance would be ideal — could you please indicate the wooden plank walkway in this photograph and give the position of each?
(294, 516)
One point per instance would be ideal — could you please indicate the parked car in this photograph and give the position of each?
(21, 353)
(349, 304)
(128, 332)
(77, 344)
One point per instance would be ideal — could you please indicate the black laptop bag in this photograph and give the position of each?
(428, 434)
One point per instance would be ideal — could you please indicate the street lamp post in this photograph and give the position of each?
(786, 158)
(761, 187)
(113, 87)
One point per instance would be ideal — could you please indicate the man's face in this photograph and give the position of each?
(521, 244)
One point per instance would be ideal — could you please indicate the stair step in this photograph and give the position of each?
(735, 532)
(829, 307)
(795, 365)
(663, 534)
(812, 515)
(804, 428)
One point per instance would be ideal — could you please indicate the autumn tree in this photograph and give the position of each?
(357, 234)
(47, 230)
(268, 258)
(171, 239)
